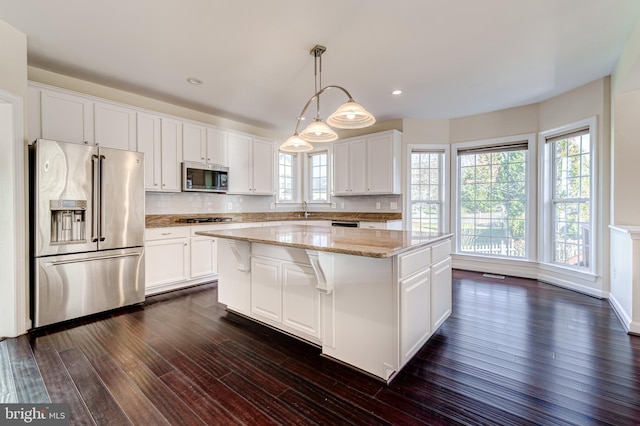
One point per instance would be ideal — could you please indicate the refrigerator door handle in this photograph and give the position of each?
(95, 168)
(86, 259)
(102, 204)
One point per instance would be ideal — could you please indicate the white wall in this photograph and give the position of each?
(508, 122)
(13, 255)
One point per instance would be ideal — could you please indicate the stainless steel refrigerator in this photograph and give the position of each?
(87, 230)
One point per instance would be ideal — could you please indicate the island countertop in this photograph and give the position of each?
(354, 241)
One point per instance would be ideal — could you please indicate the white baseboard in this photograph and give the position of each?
(163, 288)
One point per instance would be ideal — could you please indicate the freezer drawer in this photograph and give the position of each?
(72, 286)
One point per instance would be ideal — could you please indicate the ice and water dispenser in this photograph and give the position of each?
(68, 222)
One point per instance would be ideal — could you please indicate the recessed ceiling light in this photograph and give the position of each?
(194, 81)
(396, 92)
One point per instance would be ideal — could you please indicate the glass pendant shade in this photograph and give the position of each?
(351, 115)
(318, 132)
(295, 144)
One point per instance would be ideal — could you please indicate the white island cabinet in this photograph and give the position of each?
(370, 298)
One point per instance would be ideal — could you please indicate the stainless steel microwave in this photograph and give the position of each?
(201, 177)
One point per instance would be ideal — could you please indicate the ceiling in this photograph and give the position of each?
(450, 58)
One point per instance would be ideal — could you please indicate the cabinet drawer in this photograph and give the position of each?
(441, 251)
(415, 261)
(373, 225)
(152, 234)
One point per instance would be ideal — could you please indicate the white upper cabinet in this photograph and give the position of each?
(161, 141)
(194, 142)
(171, 147)
(251, 165)
(358, 166)
(204, 144)
(368, 164)
(384, 163)
(149, 139)
(349, 157)
(341, 183)
(217, 147)
(115, 126)
(66, 118)
(263, 167)
(71, 118)
(239, 148)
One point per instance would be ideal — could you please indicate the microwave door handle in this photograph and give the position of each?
(95, 198)
(102, 204)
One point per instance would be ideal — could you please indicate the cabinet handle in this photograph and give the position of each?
(185, 244)
(155, 184)
(202, 158)
(166, 233)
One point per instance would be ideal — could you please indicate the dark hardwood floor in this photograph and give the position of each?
(514, 352)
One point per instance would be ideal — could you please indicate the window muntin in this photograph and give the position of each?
(426, 191)
(286, 177)
(571, 199)
(318, 172)
(492, 200)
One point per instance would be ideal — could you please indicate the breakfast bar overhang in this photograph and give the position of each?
(369, 298)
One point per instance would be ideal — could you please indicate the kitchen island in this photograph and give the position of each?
(369, 298)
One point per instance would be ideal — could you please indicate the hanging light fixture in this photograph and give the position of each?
(350, 115)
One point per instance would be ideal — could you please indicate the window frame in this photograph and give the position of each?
(531, 190)
(295, 180)
(445, 183)
(326, 149)
(546, 185)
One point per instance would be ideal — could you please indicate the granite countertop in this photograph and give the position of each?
(355, 241)
(165, 220)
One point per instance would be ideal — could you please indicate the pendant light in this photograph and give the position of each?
(295, 144)
(350, 115)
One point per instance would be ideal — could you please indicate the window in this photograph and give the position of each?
(493, 199)
(286, 177)
(427, 190)
(318, 172)
(571, 198)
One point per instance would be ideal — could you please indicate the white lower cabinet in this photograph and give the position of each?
(440, 292)
(204, 256)
(395, 225)
(166, 258)
(415, 319)
(285, 293)
(266, 289)
(176, 257)
(300, 299)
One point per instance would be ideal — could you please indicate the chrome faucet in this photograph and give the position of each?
(306, 213)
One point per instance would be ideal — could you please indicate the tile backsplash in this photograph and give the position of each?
(185, 203)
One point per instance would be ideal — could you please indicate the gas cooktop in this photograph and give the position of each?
(205, 219)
